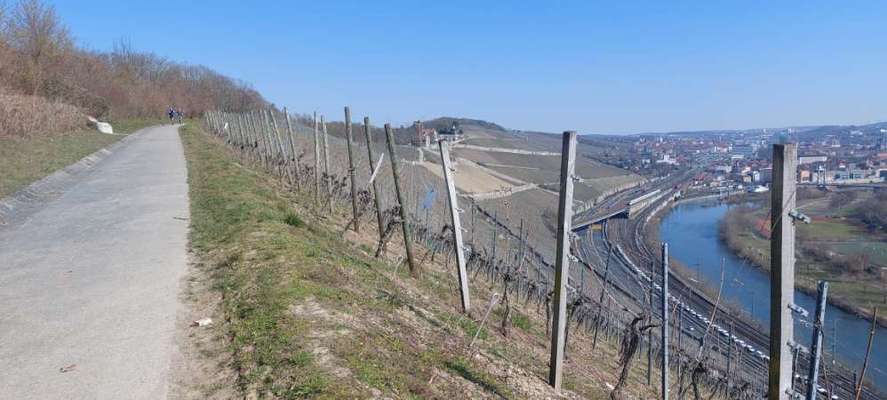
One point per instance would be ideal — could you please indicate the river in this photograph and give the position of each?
(691, 230)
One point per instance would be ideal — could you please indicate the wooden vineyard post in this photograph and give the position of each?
(369, 137)
(782, 270)
(281, 161)
(562, 266)
(349, 139)
(404, 222)
(816, 342)
(295, 157)
(326, 166)
(456, 223)
(248, 150)
(317, 162)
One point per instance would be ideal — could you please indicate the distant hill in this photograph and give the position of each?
(446, 122)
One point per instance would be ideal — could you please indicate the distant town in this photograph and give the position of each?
(740, 160)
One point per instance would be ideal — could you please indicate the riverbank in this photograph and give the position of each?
(845, 293)
(852, 287)
(690, 277)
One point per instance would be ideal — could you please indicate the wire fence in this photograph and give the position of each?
(505, 241)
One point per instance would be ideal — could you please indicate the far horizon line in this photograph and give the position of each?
(638, 133)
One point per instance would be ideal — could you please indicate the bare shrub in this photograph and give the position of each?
(33, 115)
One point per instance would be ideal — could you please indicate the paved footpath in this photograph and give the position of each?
(90, 284)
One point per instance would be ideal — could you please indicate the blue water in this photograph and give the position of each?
(691, 230)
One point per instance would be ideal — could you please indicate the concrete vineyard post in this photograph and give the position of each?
(782, 270)
(562, 266)
(456, 223)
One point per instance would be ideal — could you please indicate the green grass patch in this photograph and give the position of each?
(264, 267)
(834, 229)
(293, 220)
(24, 160)
(521, 321)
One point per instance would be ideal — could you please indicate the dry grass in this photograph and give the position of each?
(27, 158)
(26, 116)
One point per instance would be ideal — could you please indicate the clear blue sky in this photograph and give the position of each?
(552, 66)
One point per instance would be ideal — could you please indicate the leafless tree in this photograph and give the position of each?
(34, 29)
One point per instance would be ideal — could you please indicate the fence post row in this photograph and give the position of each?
(456, 223)
(562, 266)
(258, 135)
(782, 270)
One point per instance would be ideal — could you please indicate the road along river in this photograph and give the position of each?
(691, 230)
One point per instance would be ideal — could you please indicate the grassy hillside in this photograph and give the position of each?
(307, 314)
(27, 159)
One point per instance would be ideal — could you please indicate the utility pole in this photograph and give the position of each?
(349, 139)
(782, 270)
(562, 266)
(816, 342)
(456, 223)
(404, 222)
(664, 295)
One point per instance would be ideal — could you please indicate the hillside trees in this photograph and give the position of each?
(36, 33)
(38, 58)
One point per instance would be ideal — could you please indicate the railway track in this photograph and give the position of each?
(744, 343)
